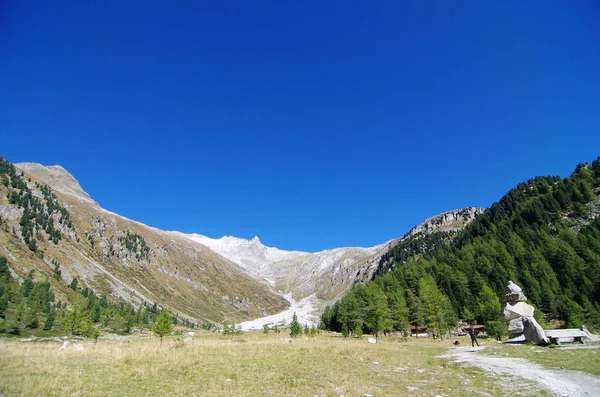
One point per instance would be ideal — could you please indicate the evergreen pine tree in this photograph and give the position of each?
(31, 318)
(345, 332)
(295, 328)
(74, 321)
(437, 307)
(57, 273)
(32, 245)
(164, 325)
(3, 303)
(94, 334)
(50, 316)
(27, 286)
(4, 267)
(14, 325)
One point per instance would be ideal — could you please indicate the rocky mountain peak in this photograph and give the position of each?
(448, 221)
(57, 177)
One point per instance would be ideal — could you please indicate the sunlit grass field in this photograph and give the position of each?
(251, 364)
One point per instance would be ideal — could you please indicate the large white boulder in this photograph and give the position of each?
(515, 326)
(534, 332)
(513, 310)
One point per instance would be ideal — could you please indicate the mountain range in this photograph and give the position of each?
(196, 277)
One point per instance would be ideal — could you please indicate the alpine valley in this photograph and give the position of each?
(64, 257)
(52, 233)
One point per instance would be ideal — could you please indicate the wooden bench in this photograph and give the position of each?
(557, 336)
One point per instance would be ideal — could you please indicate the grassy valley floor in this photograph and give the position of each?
(251, 364)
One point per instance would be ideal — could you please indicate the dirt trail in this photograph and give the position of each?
(558, 382)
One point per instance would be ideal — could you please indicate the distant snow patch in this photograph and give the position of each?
(303, 309)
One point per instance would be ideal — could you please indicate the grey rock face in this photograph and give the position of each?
(514, 293)
(514, 297)
(534, 332)
(516, 326)
(516, 338)
(584, 329)
(514, 310)
(9, 212)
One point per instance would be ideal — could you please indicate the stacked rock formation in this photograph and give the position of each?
(519, 313)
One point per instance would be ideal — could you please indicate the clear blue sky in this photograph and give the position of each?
(311, 124)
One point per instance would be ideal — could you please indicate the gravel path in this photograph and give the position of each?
(523, 373)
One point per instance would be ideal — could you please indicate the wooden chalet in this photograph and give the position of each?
(478, 329)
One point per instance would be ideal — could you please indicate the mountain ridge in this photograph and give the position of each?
(543, 234)
(313, 279)
(125, 259)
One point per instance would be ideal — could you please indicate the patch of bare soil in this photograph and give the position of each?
(520, 375)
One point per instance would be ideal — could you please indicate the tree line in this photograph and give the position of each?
(544, 235)
(30, 305)
(40, 215)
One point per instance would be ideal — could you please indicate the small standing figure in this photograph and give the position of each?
(473, 338)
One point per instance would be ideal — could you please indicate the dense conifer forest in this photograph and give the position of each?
(544, 235)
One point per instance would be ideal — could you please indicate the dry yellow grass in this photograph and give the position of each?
(252, 364)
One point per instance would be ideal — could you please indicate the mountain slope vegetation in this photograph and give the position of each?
(115, 271)
(544, 235)
(50, 226)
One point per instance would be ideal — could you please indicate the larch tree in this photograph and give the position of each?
(436, 305)
(164, 325)
(377, 314)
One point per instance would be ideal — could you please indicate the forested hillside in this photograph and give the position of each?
(544, 235)
(30, 306)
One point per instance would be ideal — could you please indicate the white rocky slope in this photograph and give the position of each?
(448, 221)
(308, 281)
